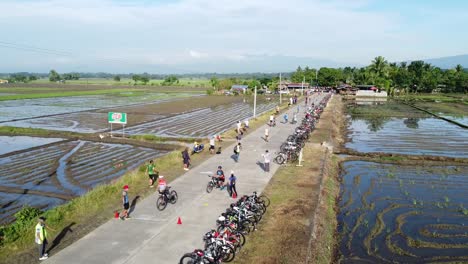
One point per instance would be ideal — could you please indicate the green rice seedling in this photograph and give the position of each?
(415, 202)
(447, 200)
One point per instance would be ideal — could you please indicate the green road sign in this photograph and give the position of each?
(117, 118)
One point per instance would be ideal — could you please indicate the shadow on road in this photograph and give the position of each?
(133, 204)
(60, 236)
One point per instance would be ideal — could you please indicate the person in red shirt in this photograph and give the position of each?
(162, 184)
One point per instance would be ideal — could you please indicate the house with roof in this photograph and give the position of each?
(298, 86)
(239, 88)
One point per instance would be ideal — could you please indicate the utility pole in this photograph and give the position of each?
(302, 88)
(280, 89)
(316, 79)
(255, 102)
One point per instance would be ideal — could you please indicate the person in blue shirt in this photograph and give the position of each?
(126, 204)
(221, 178)
(232, 184)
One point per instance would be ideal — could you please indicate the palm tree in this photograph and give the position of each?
(459, 69)
(379, 66)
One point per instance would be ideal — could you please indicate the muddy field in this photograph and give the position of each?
(201, 123)
(404, 214)
(195, 116)
(51, 175)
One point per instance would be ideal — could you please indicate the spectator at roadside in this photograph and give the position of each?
(126, 203)
(246, 122)
(41, 238)
(186, 158)
(212, 144)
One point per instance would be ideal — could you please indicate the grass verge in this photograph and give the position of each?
(302, 210)
(62, 94)
(91, 210)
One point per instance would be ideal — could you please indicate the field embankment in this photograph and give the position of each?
(300, 224)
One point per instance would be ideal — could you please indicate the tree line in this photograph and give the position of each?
(416, 76)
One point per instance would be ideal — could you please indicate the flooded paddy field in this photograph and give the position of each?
(419, 136)
(10, 144)
(398, 128)
(56, 173)
(31, 108)
(403, 213)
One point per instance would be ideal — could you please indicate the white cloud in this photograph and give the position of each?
(189, 31)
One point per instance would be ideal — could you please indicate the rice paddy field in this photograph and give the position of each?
(46, 172)
(404, 212)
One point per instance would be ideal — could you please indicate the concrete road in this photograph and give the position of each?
(152, 236)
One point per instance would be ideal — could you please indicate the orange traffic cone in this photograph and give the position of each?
(116, 214)
(179, 221)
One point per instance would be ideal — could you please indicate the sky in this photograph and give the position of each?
(196, 36)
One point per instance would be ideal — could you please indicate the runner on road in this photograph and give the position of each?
(232, 184)
(237, 150)
(266, 161)
(150, 170)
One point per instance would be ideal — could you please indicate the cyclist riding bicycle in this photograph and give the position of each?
(162, 185)
(220, 176)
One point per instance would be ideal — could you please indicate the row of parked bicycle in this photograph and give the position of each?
(222, 243)
(289, 150)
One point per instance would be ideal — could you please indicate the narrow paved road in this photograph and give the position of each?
(151, 236)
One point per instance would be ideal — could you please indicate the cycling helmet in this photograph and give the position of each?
(219, 167)
(222, 218)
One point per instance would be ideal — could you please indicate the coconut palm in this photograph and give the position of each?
(379, 66)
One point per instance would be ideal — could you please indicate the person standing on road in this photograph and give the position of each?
(150, 170)
(272, 119)
(285, 118)
(212, 144)
(41, 238)
(266, 161)
(237, 150)
(232, 184)
(239, 127)
(186, 158)
(267, 133)
(126, 203)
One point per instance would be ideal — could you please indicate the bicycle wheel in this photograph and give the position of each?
(174, 197)
(209, 187)
(228, 253)
(161, 203)
(188, 258)
(265, 200)
(279, 159)
(294, 157)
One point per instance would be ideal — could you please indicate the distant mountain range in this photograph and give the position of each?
(449, 62)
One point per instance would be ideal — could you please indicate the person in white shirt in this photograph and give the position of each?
(246, 123)
(266, 161)
(266, 134)
(212, 144)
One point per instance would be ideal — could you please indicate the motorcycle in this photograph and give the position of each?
(197, 149)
